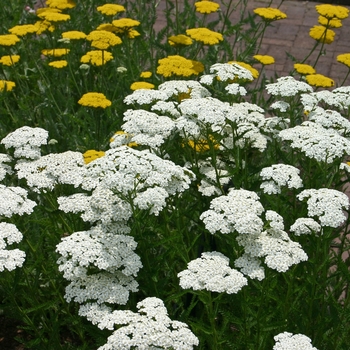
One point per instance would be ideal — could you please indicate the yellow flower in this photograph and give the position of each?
(304, 69)
(319, 80)
(203, 145)
(61, 4)
(109, 27)
(205, 35)
(6, 85)
(264, 59)
(331, 23)
(125, 23)
(270, 13)
(127, 138)
(9, 39)
(58, 64)
(344, 58)
(137, 85)
(47, 9)
(73, 35)
(322, 34)
(178, 65)
(180, 39)
(97, 57)
(110, 9)
(252, 70)
(91, 155)
(102, 39)
(94, 99)
(55, 52)
(54, 17)
(145, 74)
(332, 11)
(9, 60)
(42, 26)
(132, 33)
(206, 6)
(23, 29)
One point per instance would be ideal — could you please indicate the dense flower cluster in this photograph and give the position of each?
(291, 341)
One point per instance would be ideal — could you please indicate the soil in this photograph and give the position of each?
(8, 332)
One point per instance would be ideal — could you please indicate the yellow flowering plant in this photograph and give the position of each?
(95, 100)
(110, 9)
(9, 60)
(206, 7)
(319, 80)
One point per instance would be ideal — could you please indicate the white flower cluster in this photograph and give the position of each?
(150, 328)
(10, 259)
(55, 168)
(226, 71)
(282, 106)
(305, 226)
(26, 141)
(5, 168)
(326, 204)
(287, 86)
(109, 253)
(290, 341)
(240, 211)
(279, 175)
(213, 273)
(316, 142)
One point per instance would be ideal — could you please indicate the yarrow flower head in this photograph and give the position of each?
(110, 9)
(58, 64)
(270, 13)
(6, 85)
(180, 39)
(206, 6)
(9, 60)
(287, 86)
(226, 71)
(95, 100)
(322, 34)
(289, 341)
(326, 204)
(55, 52)
(332, 11)
(344, 58)
(73, 35)
(91, 155)
(264, 59)
(205, 35)
(212, 272)
(9, 39)
(319, 80)
(26, 141)
(97, 57)
(60, 4)
(305, 226)
(178, 65)
(102, 39)
(304, 69)
(23, 29)
(137, 85)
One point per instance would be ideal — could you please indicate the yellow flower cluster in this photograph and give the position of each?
(54, 16)
(322, 34)
(94, 99)
(91, 155)
(180, 39)
(205, 35)
(264, 59)
(97, 57)
(55, 52)
(102, 39)
(9, 39)
(23, 29)
(206, 6)
(60, 4)
(330, 23)
(110, 9)
(203, 145)
(58, 64)
(73, 35)
(9, 60)
(252, 70)
(6, 85)
(146, 74)
(304, 69)
(178, 65)
(137, 85)
(344, 58)
(319, 80)
(332, 11)
(270, 13)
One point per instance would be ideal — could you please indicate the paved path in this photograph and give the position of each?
(292, 35)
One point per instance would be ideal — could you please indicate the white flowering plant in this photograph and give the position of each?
(202, 209)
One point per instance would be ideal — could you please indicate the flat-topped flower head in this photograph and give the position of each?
(9, 60)
(60, 4)
(322, 34)
(251, 69)
(23, 29)
(26, 141)
(137, 85)
(287, 86)
(91, 155)
(304, 69)
(95, 100)
(205, 35)
(305, 226)
(330, 23)
(212, 272)
(226, 71)
(332, 11)
(6, 85)
(264, 59)
(206, 6)
(125, 23)
(73, 35)
(291, 341)
(58, 64)
(326, 204)
(9, 39)
(270, 13)
(97, 57)
(319, 80)
(53, 16)
(110, 9)
(55, 52)
(103, 39)
(344, 58)
(179, 66)
(178, 40)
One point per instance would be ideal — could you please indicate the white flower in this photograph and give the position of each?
(326, 204)
(10, 259)
(147, 128)
(153, 198)
(316, 142)
(14, 201)
(287, 86)
(145, 97)
(305, 226)
(213, 273)
(52, 169)
(236, 89)
(207, 79)
(4, 168)
(227, 71)
(169, 107)
(238, 211)
(26, 141)
(249, 135)
(250, 266)
(289, 341)
(275, 220)
(338, 98)
(280, 175)
(174, 88)
(282, 106)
